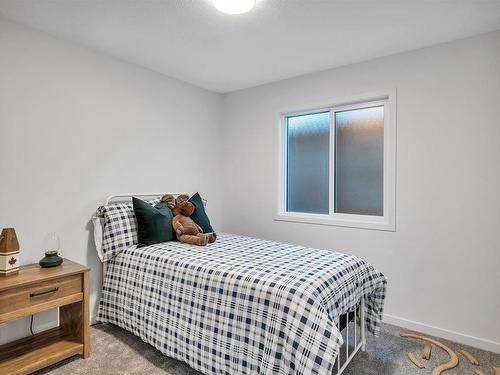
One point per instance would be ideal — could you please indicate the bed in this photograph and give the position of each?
(245, 305)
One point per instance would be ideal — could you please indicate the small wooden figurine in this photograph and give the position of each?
(9, 252)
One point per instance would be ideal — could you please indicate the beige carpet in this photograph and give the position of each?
(115, 351)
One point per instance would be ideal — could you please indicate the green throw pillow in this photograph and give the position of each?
(199, 215)
(154, 224)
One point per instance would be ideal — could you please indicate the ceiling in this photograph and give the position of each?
(192, 41)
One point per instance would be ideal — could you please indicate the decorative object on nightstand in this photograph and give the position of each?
(9, 252)
(51, 248)
(34, 290)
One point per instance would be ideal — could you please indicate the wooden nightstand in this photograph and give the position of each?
(37, 289)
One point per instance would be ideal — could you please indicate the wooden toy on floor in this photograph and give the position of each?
(452, 363)
(414, 360)
(426, 352)
(472, 360)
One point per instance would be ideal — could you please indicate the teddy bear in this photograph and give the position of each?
(185, 228)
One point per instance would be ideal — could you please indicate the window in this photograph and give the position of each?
(338, 165)
(308, 162)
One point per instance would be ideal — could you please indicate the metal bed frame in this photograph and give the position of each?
(354, 332)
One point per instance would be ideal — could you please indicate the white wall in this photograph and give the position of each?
(443, 262)
(76, 126)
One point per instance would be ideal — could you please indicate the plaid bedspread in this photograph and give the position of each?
(240, 305)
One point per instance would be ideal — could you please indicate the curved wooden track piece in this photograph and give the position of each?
(472, 360)
(426, 351)
(496, 370)
(452, 363)
(478, 372)
(414, 360)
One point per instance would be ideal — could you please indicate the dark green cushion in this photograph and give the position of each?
(199, 215)
(154, 224)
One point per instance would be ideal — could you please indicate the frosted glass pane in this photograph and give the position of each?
(359, 161)
(308, 145)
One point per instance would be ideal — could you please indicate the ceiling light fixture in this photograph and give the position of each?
(234, 6)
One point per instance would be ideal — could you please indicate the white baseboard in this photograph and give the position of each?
(461, 338)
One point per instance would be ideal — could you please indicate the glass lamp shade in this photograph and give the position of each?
(51, 243)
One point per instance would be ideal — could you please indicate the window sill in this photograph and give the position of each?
(340, 220)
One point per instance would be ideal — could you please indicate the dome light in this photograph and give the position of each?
(234, 6)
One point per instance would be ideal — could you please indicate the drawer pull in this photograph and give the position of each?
(37, 294)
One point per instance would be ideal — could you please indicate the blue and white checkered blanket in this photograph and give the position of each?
(240, 305)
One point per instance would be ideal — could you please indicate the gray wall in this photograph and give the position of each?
(76, 126)
(443, 262)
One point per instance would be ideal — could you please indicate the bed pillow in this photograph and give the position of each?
(154, 224)
(199, 215)
(120, 227)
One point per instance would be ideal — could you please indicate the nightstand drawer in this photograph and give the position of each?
(42, 293)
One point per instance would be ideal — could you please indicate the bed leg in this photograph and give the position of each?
(362, 321)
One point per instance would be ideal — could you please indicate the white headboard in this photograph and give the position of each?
(128, 196)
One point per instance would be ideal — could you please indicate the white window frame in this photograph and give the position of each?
(386, 222)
